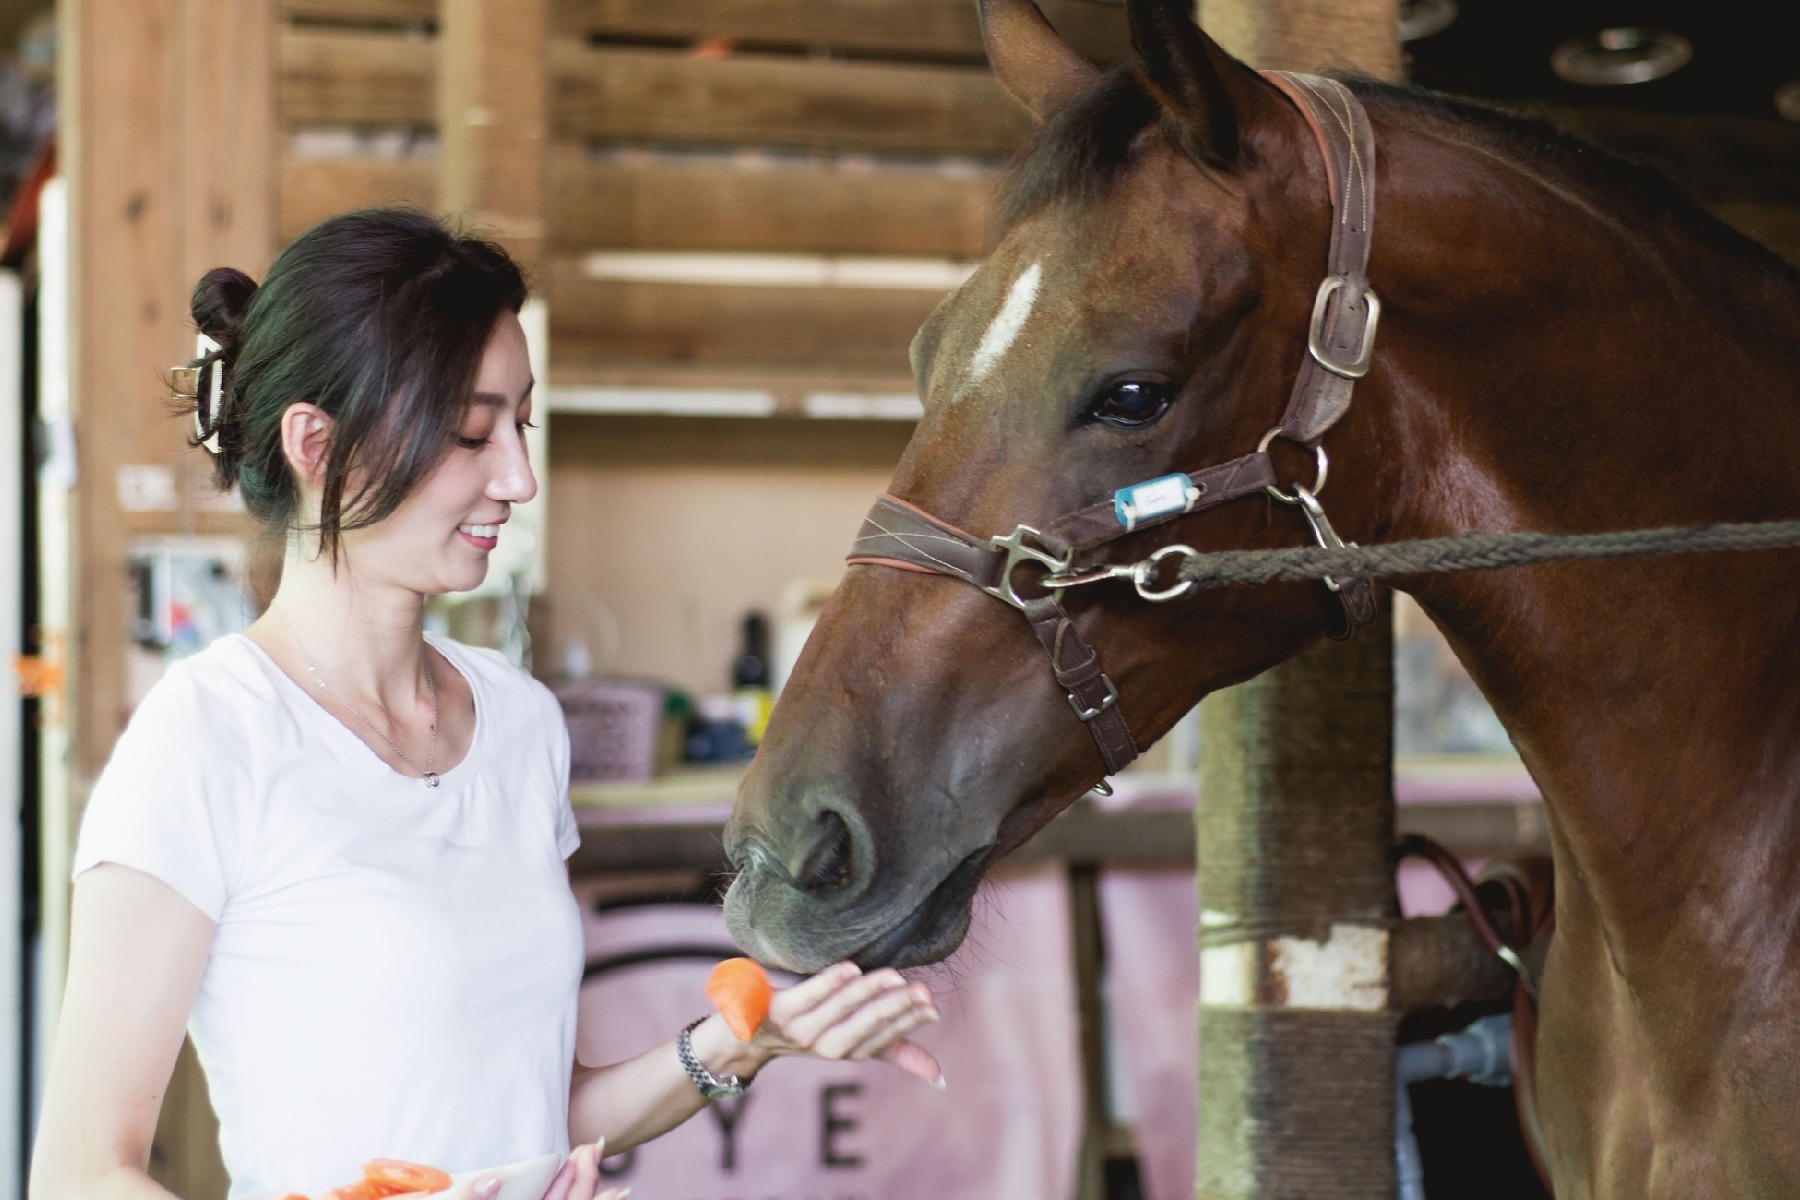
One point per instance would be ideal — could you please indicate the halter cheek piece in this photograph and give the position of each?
(1340, 343)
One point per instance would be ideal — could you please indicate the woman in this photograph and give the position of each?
(333, 847)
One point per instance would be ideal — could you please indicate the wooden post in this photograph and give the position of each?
(168, 147)
(493, 105)
(1295, 823)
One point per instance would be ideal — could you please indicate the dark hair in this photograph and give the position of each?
(379, 317)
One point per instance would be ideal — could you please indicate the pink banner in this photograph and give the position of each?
(1007, 1128)
(1151, 919)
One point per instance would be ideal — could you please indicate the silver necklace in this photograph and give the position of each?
(427, 772)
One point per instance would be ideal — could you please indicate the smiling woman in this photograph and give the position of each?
(334, 848)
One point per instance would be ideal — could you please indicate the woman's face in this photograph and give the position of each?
(439, 538)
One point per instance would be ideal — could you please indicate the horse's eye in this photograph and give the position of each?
(1132, 402)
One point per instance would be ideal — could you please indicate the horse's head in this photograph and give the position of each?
(1143, 313)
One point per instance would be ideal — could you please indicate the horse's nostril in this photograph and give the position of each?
(827, 865)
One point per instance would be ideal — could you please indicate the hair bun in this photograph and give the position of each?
(221, 299)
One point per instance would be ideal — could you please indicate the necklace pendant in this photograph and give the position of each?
(431, 779)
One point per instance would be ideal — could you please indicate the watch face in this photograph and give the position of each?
(724, 1091)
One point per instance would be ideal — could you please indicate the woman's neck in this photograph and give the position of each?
(362, 635)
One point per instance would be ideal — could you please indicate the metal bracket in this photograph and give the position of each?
(1017, 551)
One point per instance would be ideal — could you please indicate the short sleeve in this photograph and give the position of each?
(175, 798)
(568, 835)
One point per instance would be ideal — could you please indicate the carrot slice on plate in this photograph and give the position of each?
(401, 1177)
(741, 991)
(362, 1189)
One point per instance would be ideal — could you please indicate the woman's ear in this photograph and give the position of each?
(306, 441)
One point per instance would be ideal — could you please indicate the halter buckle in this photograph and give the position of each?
(1357, 367)
(1017, 551)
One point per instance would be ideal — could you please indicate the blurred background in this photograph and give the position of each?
(736, 213)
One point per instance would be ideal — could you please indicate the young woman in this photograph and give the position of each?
(333, 848)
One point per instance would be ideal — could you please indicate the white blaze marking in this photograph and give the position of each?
(1007, 323)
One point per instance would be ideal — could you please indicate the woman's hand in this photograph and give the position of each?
(579, 1176)
(841, 1013)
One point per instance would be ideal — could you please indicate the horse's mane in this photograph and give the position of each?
(1085, 146)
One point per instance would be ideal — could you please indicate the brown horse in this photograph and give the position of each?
(1567, 344)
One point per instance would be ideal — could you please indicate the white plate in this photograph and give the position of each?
(518, 1181)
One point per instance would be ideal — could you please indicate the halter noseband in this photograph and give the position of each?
(1340, 342)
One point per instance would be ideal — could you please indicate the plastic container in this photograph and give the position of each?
(615, 727)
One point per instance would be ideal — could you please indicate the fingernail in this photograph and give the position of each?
(939, 1083)
(488, 1188)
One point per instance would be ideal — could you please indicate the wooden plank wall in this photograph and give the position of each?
(836, 127)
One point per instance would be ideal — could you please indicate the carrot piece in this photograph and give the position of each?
(402, 1177)
(740, 990)
(362, 1189)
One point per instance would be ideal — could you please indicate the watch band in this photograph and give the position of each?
(713, 1087)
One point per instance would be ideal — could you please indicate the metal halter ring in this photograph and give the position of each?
(1144, 570)
(1318, 486)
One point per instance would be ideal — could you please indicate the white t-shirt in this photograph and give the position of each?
(396, 967)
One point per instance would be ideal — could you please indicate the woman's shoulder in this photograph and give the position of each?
(228, 682)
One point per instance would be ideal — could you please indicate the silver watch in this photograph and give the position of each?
(713, 1087)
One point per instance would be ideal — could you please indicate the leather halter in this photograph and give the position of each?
(1339, 345)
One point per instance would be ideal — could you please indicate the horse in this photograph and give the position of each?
(1567, 343)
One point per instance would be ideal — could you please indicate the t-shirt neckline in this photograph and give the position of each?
(323, 719)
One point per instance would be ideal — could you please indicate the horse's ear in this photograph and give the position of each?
(1030, 59)
(1209, 91)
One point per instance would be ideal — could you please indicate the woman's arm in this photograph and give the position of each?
(839, 1013)
(137, 949)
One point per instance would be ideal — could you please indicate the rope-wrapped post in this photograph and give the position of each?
(1295, 828)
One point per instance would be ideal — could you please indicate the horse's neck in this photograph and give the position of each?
(1646, 383)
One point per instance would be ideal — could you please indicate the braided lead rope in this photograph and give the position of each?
(1470, 552)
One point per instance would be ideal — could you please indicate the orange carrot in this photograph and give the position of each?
(740, 990)
(404, 1176)
(362, 1189)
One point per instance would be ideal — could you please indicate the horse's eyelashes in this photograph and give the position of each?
(1130, 403)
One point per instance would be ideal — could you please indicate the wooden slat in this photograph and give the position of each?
(373, 12)
(374, 78)
(492, 118)
(764, 100)
(938, 28)
(315, 188)
(721, 206)
(853, 329)
(357, 77)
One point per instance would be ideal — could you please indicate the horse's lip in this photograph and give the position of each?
(925, 926)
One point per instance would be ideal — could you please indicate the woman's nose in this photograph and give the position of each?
(515, 483)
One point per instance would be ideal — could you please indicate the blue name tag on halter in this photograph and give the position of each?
(1153, 498)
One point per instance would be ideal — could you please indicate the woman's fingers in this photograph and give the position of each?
(915, 1060)
(584, 1168)
(876, 1022)
(806, 1028)
(790, 1003)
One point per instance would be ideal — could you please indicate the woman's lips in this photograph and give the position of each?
(484, 537)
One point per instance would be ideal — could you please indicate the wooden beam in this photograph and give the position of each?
(357, 77)
(168, 146)
(946, 29)
(365, 78)
(856, 329)
(1304, 35)
(315, 188)
(817, 208)
(491, 119)
(362, 12)
(696, 205)
(772, 100)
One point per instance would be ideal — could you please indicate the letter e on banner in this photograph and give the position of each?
(832, 1123)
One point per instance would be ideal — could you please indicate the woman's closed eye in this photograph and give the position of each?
(475, 441)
